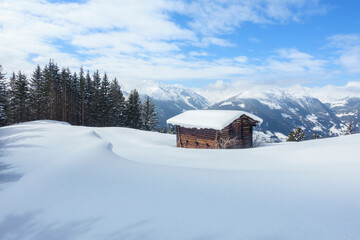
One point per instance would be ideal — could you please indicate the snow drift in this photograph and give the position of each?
(64, 182)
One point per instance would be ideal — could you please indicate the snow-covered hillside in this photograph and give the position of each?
(66, 182)
(347, 110)
(283, 110)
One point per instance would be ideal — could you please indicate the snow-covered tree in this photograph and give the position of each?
(66, 93)
(149, 116)
(104, 101)
(349, 129)
(19, 98)
(96, 107)
(88, 99)
(133, 110)
(82, 95)
(117, 102)
(37, 101)
(315, 136)
(297, 135)
(172, 129)
(72, 97)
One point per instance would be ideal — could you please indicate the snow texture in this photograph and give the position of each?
(271, 105)
(338, 103)
(293, 110)
(284, 115)
(226, 103)
(346, 114)
(317, 128)
(87, 183)
(213, 119)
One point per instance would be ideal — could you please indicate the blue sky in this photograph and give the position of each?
(200, 44)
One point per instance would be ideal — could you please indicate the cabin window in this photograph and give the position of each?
(207, 145)
(186, 142)
(197, 143)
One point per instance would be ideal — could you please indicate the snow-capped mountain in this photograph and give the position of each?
(283, 110)
(347, 110)
(174, 99)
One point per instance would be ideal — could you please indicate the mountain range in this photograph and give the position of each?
(174, 99)
(281, 110)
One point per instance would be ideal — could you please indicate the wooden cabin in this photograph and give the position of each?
(214, 129)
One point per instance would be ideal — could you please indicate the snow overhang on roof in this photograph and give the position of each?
(212, 119)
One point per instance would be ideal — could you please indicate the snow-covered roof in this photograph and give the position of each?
(213, 119)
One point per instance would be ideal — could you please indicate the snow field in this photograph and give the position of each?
(118, 183)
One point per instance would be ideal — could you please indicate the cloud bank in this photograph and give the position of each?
(139, 40)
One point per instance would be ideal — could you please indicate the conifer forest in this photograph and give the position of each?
(79, 98)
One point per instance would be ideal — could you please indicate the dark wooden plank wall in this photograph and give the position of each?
(238, 134)
(197, 138)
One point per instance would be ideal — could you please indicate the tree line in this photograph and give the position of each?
(78, 98)
(298, 134)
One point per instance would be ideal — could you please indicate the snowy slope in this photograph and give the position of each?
(347, 110)
(67, 182)
(282, 109)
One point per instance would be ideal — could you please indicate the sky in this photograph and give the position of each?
(212, 46)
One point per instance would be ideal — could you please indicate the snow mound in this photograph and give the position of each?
(88, 183)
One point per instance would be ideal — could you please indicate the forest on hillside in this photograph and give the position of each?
(79, 98)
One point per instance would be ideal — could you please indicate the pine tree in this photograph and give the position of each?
(171, 129)
(65, 85)
(96, 108)
(149, 119)
(52, 91)
(47, 91)
(315, 136)
(11, 100)
(88, 99)
(296, 135)
(75, 103)
(56, 91)
(117, 102)
(19, 98)
(3, 99)
(104, 100)
(75, 98)
(349, 129)
(82, 95)
(37, 94)
(133, 110)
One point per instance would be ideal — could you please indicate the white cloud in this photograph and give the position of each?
(198, 54)
(241, 59)
(216, 16)
(348, 46)
(331, 92)
(206, 41)
(297, 63)
(254, 40)
(137, 40)
(221, 90)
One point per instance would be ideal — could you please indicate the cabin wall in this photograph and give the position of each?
(196, 138)
(247, 132)
(238, 134)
